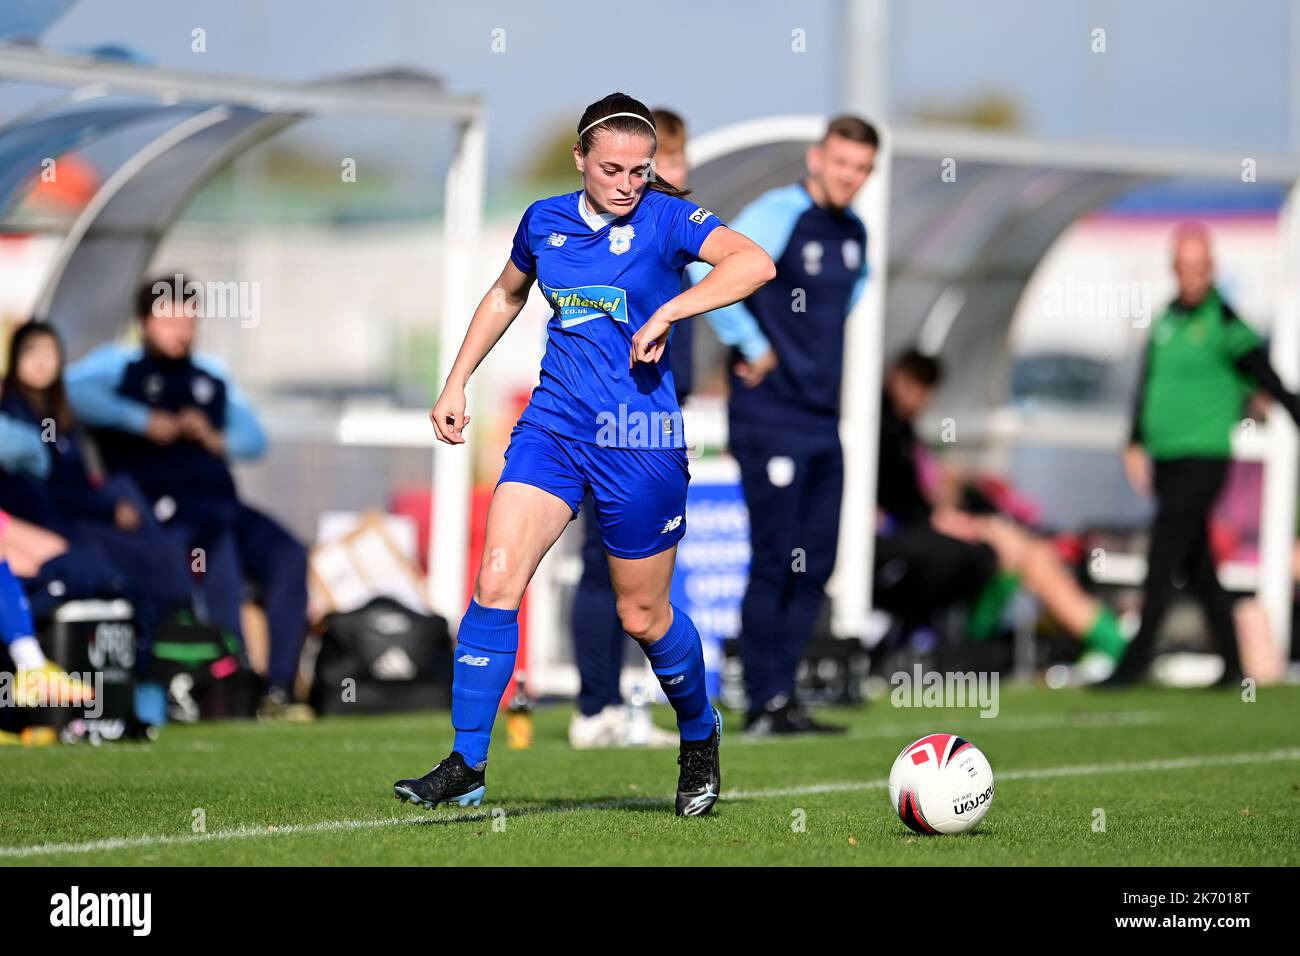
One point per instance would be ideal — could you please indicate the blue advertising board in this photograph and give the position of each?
(713, 559)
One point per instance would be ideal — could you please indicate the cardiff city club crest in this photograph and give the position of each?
(620, 239)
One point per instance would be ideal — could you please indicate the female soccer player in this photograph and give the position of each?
(603, 419)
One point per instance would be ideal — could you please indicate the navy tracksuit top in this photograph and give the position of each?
(820, 257)
(183, 468)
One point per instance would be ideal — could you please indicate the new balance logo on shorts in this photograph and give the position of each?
(672, 525)
(472, 661)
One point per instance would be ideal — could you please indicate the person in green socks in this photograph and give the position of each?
(928, 555)
(1201, 366)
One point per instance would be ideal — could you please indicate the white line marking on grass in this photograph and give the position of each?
(1046, 773)
(1077, 721)
(334, 826)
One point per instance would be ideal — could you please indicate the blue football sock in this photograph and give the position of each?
(677, 659)
(15, 612)
(485, 661)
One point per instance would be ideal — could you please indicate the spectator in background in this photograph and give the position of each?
(44, 479)
(599, 643)
(783, 415)
(168, 417)
(1200, 367)
(930, 557)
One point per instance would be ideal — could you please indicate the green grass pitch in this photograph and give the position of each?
(1182, 777)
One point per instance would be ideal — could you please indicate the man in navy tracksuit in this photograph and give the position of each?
(784, 409)
(169, 418)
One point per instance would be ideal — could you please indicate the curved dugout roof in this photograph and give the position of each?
(189, 127)
(92, 285)
(100, 262)
(24, 145)
(173, 149)
(960, 252)
(958, 255)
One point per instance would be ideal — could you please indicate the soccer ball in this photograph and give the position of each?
(941, 784)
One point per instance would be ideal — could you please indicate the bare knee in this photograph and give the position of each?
(498, 588)
(1039, 564)
(1012, 544)
(643, 620)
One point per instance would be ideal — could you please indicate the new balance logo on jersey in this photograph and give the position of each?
(700, 215)
(472, 661)
(556, 239)
(672, 525)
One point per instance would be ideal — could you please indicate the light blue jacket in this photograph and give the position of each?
(92, 385)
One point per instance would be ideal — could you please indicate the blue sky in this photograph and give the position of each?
(1208, 74)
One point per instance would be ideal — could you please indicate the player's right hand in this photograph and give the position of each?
(1137, 468)
(448, 416)
(751, 373)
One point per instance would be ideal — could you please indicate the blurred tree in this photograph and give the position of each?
(989, 110)
(552, 158)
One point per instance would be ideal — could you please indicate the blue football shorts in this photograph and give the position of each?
(639, 494)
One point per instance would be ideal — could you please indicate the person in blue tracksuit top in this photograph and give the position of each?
(170, 419)
(603, 420)
(783, 413)
(599, 643)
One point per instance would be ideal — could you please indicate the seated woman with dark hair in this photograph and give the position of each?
(45, 479)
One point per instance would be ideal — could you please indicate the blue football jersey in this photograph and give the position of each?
(604, 276)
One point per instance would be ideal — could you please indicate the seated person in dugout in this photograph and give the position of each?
(46, 479)
(170, 417)
(931, 554)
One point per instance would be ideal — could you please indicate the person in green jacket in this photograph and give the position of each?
(1202, 365)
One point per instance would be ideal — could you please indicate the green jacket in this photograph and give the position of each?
(1201, 364)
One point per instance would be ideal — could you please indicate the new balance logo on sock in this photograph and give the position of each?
(676, 680)
(472, 661)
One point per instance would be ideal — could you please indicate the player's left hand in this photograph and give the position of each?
(649, 342)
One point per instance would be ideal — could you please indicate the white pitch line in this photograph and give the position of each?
(1042, 773)
(330, 826)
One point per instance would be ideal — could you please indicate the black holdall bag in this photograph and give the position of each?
(382, 657)
(202, 670)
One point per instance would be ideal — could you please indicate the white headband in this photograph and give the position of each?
(610, 117)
